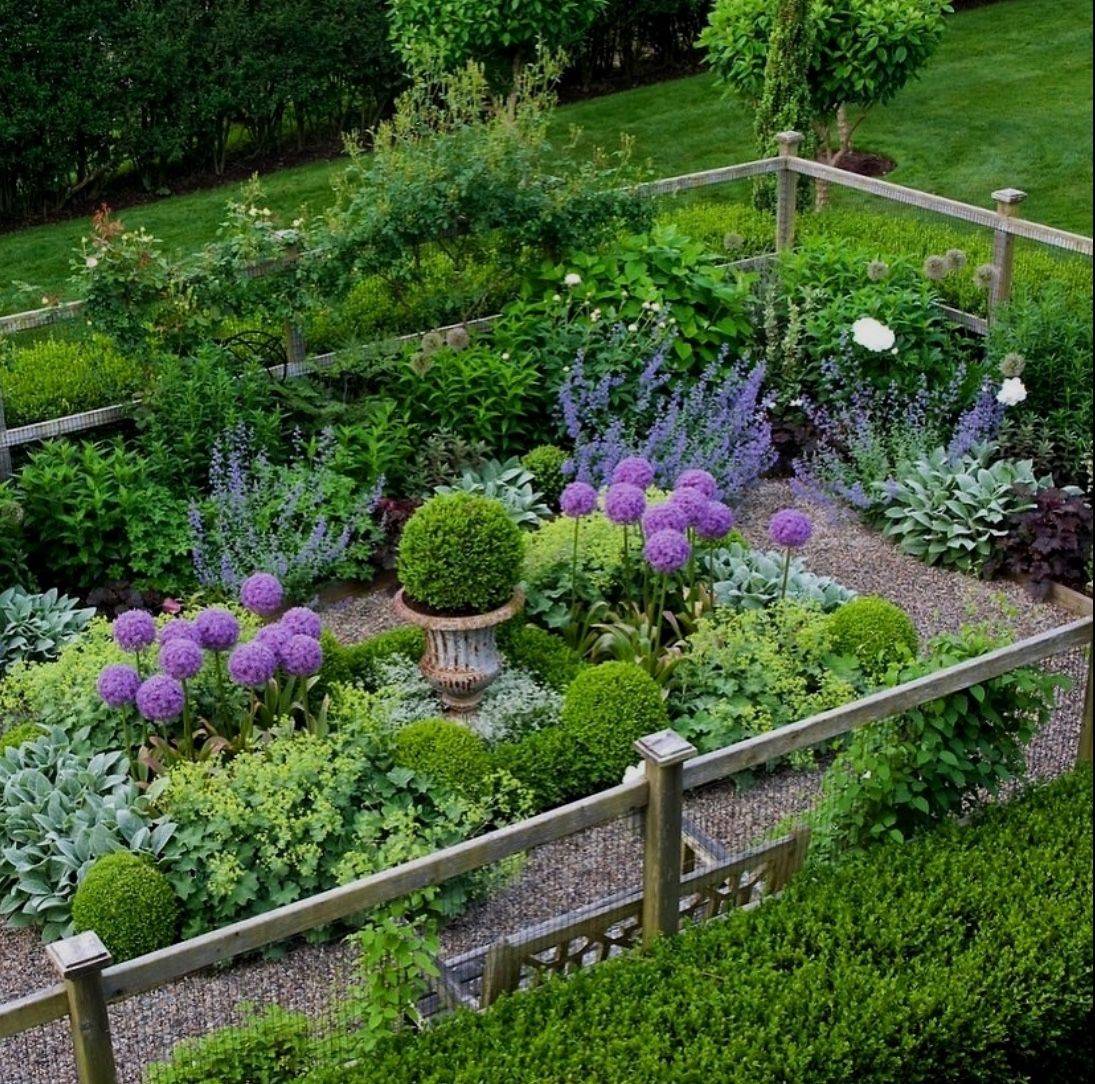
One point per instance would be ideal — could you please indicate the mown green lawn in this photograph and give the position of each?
(1005, 102)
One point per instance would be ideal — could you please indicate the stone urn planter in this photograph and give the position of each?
(462, 657)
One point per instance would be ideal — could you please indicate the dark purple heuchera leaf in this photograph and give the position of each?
(1049, 544)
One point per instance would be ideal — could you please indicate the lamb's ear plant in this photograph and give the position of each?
(34, 627)
(955, 513)
(748, 579)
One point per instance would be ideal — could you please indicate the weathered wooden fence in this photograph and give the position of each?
(787, 167)
(684, 875)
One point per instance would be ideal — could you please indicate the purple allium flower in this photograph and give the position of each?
(178, 628)
(217, 629)
(134, 630)
(635, 471)
(714, 521)
(578, 499)
(701, 480)
(181, 658)
(252, 664)
(302, 656)
(274, 637)
(667, 551)
(261, 594)
(160, 698)
(790, 528)
(625, 503)
(300, 621)
(664, 517)
(691, 502)
(118, 684)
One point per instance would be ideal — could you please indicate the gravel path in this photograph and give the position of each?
(570, 872)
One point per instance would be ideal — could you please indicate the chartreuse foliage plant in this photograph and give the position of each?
(460, 553)
(963, 955)
(128, 902)
(903, 775)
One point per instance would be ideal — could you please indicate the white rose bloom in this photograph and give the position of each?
(872, 334)
(92, 262)
(573, 279)
(635, 771)
(1012, 391)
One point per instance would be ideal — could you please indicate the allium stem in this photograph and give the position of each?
(786, 573)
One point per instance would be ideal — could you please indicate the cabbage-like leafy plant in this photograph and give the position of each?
(749, 579)
(62, 807)
(955, 513)
(34, 627)
(509, 482)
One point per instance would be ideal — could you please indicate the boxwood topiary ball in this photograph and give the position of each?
(128, 902)
(605, 710)
(460, 554)
(545, 464)
(876, 631)
(448, 751)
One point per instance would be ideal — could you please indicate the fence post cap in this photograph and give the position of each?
(664, 748)
(1009, 195)
(788, 141)
(78, 954)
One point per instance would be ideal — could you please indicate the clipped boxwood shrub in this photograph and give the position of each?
(460, 554)
(128, 902)
(963, 956)
(543, 762)
(446, 751)
(876, 631)
(356, 664)
(545, 464)
(549, 658)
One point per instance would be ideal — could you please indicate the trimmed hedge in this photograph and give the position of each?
(544, 655)
(445, 750)
(356, 664)
(963, 956)
(876, 631)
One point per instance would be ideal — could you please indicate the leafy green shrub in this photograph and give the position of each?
(743, 578)
(547, 657)
(268, 1045)
(54, 377)
(545, 464)
(902, 775)
(544, 763)
(955, 514)
(928, 961)
(446, 751)
(752, 671)
(19, 735)
(356, 664)
(127, 901)
(13, 550)
(605, 711)
(297, 817)
(460, 554)
(62, 807)
(876, 631)
(34, 628)
(510, 483)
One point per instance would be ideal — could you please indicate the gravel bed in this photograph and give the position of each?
(568, 873)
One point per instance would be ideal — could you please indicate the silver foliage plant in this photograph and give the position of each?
(508, 482)
(515, 703)
(62, 807)
(749, 579)
(34, 627)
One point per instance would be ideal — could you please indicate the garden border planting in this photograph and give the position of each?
(1003, 221)
(89, 985)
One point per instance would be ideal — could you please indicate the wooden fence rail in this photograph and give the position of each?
(786, 165)
(671, 769)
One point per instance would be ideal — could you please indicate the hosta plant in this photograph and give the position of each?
(509, 482)
(62, 807)
(34, 627)
(955, 513)
(749, 579)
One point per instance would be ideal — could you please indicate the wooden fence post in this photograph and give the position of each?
(1007, 204)
(501, 972)
(664, 754)
(79, 961)
(786, 191)
(294, 343)
(5, 451)
(1083, 750)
